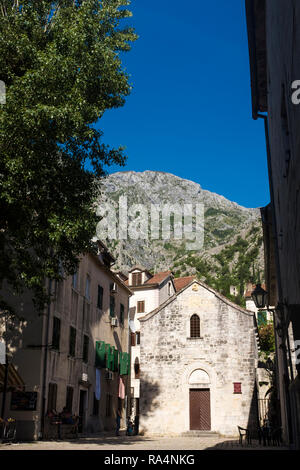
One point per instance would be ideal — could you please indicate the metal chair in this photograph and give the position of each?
(244, 433)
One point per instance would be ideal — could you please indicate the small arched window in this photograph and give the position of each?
(136, 368)
(195, 326)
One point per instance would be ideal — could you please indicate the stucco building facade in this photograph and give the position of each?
(149, 291)
(274, 46)
(74, 354)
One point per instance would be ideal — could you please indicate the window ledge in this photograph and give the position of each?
(194, 339)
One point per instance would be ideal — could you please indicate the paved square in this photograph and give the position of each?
(110, 442)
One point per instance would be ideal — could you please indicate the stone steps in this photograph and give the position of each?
(200, 434)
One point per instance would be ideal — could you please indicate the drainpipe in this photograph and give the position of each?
(43, 410)
(279, 284)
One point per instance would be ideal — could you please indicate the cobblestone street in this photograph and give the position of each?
(110, 442)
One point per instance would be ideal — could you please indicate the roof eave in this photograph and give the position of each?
(256, 27)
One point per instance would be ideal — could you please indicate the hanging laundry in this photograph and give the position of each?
(121, 388)
(98, 384)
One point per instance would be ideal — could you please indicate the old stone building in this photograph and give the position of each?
(274, 46)
(198, 364)
(75, 354)
(148, 293)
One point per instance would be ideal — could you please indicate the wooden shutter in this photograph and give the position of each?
(72, 341)
(56, 333)
(122, 310)
(137, 279)
(237, 387)
(132, 335)
(112, 306)
(85, 349)
(141, 306)
(100, 298)
(69, 399)
(52, 396)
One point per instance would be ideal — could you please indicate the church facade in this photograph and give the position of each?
(198, 371)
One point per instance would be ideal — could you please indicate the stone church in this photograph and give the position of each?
(198, 364)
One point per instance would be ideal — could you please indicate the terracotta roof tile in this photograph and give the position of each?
(158, 278)
(181, 282)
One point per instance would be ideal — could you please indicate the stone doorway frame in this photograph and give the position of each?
(187, 386)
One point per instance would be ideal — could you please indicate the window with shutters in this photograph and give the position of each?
(87, 287)
(52, 396)
(141, 306)
(136, 368)
(95, 406)
(100, 354)
(75, 280)
(132, 336)
(112, 306)
(122, 314)
(195, 326)
(85, 349)
(56, 333)
(138, 337)
(261, 318)
(237, 387)
(72, 342)
(100, 298)
(108, 405)
(286, 137)
(136, 279)
(69, 399)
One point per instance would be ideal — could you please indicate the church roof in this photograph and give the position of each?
(205, 286)
(181, 282)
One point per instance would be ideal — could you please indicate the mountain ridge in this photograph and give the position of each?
(232, 233)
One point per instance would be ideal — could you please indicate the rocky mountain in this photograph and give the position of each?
(232, 252)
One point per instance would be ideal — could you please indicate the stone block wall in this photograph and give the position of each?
(226, 351)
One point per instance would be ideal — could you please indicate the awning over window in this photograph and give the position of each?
(14, 381)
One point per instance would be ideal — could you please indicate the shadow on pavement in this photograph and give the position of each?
(235, 445)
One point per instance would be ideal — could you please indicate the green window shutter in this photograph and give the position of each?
(128, 364)
(100, 354)
(124, 363)
(262, 318)
(121, 363)
(109, 356)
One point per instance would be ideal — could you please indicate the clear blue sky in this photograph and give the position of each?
(190, 110)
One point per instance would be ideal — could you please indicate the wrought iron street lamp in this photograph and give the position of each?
(259, 296)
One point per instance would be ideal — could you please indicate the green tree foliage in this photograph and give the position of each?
(233, 266)
(267, 338)
(60, 62)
